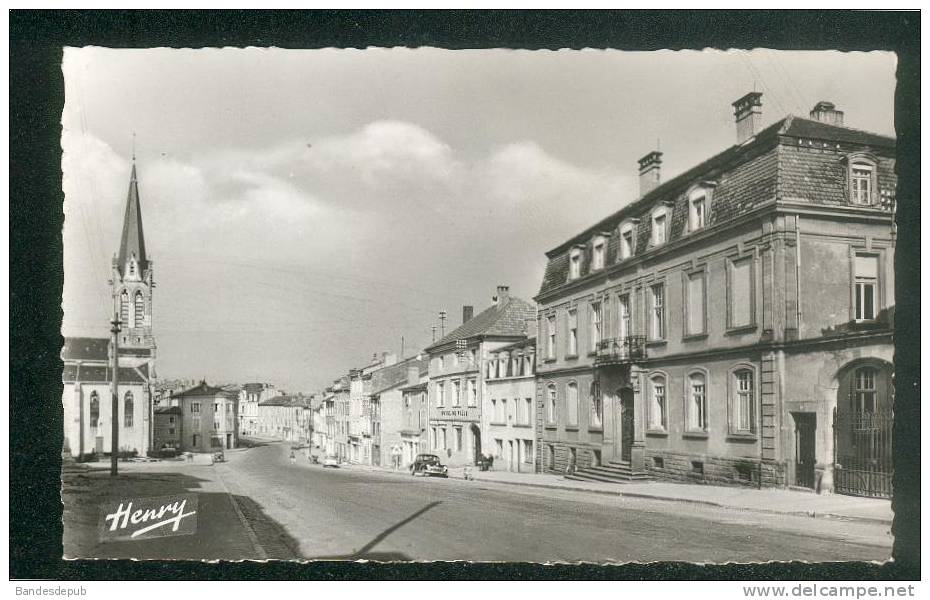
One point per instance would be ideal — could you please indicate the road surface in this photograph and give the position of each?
(305, 511)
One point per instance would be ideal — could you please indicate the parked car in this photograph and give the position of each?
(331, 461)
(428, 465)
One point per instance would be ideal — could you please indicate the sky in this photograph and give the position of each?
(306, 209)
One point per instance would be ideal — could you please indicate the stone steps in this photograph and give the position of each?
(611, 472)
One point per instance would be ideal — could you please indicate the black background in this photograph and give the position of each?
(36, 218)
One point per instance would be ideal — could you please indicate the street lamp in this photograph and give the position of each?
(114, 426)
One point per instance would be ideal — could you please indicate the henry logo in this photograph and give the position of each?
(143, 518)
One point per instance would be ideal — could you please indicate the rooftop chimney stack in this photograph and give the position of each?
(650, 172)
(826, 112)
(467, 313)
(748, 111)
(413, 375)
(388, 359)
(503, 293)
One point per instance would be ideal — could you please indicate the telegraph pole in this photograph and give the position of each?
(114, 391)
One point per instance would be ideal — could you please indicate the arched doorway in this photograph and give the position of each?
(476, 442)
(862, 425)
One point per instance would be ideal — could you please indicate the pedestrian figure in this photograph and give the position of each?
(293, 458)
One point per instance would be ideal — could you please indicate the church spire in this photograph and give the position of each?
(132, 243)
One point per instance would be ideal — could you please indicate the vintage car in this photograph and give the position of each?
(331, 461)
(428, 465)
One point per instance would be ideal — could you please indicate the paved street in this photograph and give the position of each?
(352, 513)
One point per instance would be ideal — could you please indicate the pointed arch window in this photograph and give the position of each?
(94, 409)
(127, 409)
(139, 309)
(124, 306)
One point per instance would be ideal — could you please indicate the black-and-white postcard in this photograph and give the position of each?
(489, 304)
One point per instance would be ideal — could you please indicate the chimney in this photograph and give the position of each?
(531, 327)
(826, 112)
(503, 293)
(467, 313)
(748, 111)
(413, 375)
(388, 359)
(650, 168)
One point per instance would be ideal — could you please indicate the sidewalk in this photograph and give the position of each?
(769, 500)
(221, 532)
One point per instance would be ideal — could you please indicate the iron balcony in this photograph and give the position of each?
(621, 350)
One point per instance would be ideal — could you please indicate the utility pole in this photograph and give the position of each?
(114, 413)
(402, 347)
(442, 323)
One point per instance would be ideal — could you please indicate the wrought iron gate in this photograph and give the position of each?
(862, 453)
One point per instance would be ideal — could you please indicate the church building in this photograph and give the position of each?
(87, 373)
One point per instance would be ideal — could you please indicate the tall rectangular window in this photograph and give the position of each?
(697, 402)
(626, 244)
(658, 406)
(694, 307)
(572, 332)
(744, 405)
(472, 393)
(866, 286)
(550, 404)
(861, 184)
(740, 293)
(658, 229)
(657, 312)
(440, 394)
(456, 393)
(458, 439)
(624, 323)
(697, 213)
(529, 411)
(550, 331)
(597, 257)
(595, 325)
(571, 401)
(574, 264)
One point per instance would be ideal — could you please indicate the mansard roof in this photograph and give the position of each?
(745, 176)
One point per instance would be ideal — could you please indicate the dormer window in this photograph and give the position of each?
(697, 209)
(627, 241)
(659, 226)
(598, 253)
(861, 189)
(863, 179)
(574, 263)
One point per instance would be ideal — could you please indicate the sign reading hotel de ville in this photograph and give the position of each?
(144, 518)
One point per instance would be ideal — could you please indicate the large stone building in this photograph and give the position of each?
(456, 364)
(508, 409)
(734, 321)
(415, 418)
(87, 397)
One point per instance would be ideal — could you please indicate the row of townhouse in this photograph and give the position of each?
(368, 417)
(732, 326)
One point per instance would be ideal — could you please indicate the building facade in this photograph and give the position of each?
(456, 386)
(168, 428)
(287, 418)
(388, 411)
(250, 396)
(208, 419)
(415, 419)
(87, 374)
(723, 326)
(508, 411)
